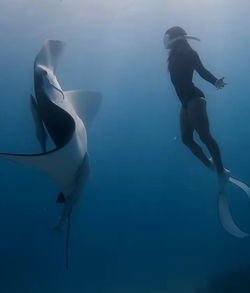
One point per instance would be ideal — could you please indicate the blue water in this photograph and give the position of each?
(147, 221)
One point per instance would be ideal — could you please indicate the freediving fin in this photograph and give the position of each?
(241, 185)
(224, 209)
(61, 198)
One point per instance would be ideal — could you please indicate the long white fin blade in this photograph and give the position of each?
(241, 185)
(85, 103)
(225, 214)
(49, 54)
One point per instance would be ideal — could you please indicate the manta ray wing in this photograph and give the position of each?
(84, 103)
(58, 164)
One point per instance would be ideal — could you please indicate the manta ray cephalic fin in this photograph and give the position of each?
(50, 53)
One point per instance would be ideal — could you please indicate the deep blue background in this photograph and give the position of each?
(147, 221)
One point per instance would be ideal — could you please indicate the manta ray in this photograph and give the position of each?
(63, 116)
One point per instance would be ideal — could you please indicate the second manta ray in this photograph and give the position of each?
(62, 113)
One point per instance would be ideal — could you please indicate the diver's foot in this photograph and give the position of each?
(223, 179)
(225, 175)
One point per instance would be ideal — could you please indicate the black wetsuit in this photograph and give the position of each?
(181, 67)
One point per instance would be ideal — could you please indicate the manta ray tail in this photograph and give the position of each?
(224, 210)
(67, 242)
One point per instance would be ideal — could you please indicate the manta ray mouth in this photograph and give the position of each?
(59, 123)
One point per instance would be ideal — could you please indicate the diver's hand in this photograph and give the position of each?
(219, 84)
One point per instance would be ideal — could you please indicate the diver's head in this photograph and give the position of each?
(175, 34)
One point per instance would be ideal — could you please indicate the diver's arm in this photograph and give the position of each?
(203, 72)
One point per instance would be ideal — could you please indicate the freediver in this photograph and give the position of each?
(182, 62)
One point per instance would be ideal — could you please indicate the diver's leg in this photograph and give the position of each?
(197, 114)
(187, 131)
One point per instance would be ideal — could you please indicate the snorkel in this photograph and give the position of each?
(168, 41)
